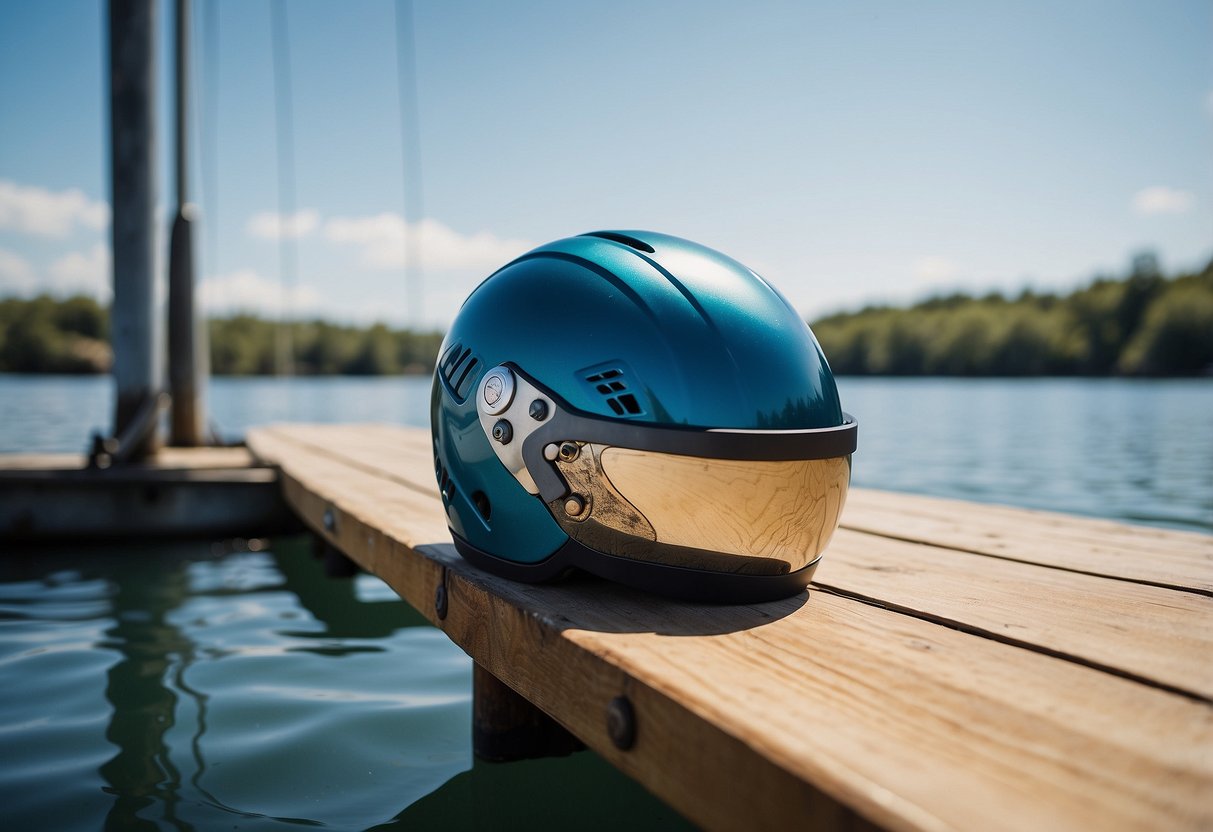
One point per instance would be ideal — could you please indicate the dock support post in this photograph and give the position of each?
(506, 727)
(135, 325)
(188, 362)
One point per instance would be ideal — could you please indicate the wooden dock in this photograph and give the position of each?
(180, 492)
(953, 666)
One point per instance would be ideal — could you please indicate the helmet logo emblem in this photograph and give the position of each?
(492, 390)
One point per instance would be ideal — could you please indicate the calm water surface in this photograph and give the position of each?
(189, 686)
(1132, 450)
(206, 686)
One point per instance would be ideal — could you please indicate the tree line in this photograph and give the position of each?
(47, 335)
(1141, 324)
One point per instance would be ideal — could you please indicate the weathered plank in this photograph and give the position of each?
(216, 492)
(821, 708)
(1140, 631)
(174, 459)
(1161, 557)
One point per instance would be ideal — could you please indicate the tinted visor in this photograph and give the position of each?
(742, 501)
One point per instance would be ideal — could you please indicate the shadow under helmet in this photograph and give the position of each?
(643, 408)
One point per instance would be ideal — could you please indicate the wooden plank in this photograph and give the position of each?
(165, 459)
(182, 492)
(1161, 557)
(1156, 635)
(817, 709)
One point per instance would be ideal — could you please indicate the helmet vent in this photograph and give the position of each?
(446, 483)
(457, 369)
(610, 383)
(623, 239)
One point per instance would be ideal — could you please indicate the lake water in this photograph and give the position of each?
(206, 685)
(1132, 450)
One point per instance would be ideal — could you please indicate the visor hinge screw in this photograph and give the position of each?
(574, 505)
(503, 431)
(538, 410)
(569, 451)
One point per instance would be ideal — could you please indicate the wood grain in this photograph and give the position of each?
(821, 710)
(1161, 557)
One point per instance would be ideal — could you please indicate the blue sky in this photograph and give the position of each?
(850, 153)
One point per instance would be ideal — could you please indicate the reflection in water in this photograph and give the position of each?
(142, 773)
(334, 601)
(155, 707)
(166, 687)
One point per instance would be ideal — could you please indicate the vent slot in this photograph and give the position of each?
(460, 388)
(458, 369)
(623, 239)
(611, 383)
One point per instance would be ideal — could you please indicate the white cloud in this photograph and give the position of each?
(33, 210)
(934, 270)
(1162, 200)
(245, 290)
(82, 272)
(382, 239)
(16, 274)
(271, 226)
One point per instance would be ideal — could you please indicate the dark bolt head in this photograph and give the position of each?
(330, 520)
(621, 722)
(440, 601)
(503, 431)
(569, 451)
(538, 410)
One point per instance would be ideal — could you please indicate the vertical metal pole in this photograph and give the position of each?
(187, 352)
(136, 332)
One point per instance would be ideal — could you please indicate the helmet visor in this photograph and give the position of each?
(758, 517)
(741, 501)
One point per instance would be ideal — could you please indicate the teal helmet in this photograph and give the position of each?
(643, 408)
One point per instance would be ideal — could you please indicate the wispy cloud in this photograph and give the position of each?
(245, 290)
(16, 274)
(1160, 199)
(934, 269)
(268, 225)
(30, 209)
(82, 272)
(381, 240)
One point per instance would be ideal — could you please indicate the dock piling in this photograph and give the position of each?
(506, 727)
(187, 338)
(136, 328)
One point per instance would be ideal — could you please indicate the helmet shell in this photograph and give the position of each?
(624, 325)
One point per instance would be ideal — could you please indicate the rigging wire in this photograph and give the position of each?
(287, 251)
(410, 144)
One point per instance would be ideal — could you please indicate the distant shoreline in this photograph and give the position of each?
(1141, 325)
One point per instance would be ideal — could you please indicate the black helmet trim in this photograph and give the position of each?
(568, 425)
(671, 581)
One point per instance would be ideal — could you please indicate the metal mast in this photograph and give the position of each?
(187, 338)
(135, 326)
